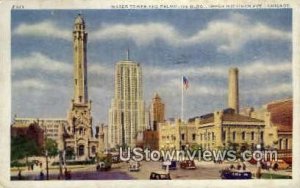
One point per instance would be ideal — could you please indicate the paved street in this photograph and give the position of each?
(204, 170)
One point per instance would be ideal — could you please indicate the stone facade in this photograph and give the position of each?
(79, 136)
(220, 129)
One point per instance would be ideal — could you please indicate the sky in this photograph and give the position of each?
(199, 44)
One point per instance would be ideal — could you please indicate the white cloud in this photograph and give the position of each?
(228, 35)
(275, 89)
(263, 68)
(43, 29)
(98, 69)
(41, 62)
(31, 84)
(256, 68)
(195, 89)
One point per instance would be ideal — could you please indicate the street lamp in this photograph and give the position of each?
(47, 168)
(46, 151)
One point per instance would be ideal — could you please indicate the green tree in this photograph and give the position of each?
(52, 147)
(22, 147)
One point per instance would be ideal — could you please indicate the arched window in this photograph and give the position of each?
(286, 144)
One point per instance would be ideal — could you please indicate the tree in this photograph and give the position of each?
(22, 147)
(52, 147)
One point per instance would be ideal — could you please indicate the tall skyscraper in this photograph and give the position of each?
(157, 112)
(127, 112)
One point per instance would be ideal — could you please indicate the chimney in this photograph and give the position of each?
(233, 89)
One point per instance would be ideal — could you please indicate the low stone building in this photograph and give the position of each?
(221, 129)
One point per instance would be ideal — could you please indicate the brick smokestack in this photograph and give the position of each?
(233, 89)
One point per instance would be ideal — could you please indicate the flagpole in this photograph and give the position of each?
(182, 99)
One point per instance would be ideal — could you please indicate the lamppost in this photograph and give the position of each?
(47, 168)
(46, 152)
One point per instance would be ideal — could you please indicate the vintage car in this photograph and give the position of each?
(172, 165)
(235, 174)
(103, 166)
(134, 166)
(187, 164)
(280, 165)
(160, 175)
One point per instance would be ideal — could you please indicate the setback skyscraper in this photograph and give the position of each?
(127, 113)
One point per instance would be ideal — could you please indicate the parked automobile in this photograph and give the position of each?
(134, 166)
(103, 166)
(172, 165)
(280, 165)
(187, 164)
(234, 174)
(160, 175)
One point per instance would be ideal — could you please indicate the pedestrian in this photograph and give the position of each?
(244, 166)
(19, 175)
(268, 165)
(239, 166)
(42, 175)
(258, 172)
(231, 167)
(275, 167)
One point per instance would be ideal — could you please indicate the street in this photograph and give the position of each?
(119, 171)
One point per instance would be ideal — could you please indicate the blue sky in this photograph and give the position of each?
(200, 44)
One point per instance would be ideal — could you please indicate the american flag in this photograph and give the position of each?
(185, 82)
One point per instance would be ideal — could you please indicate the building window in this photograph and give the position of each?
(208, 136)
(201, 137)
(233, 135)
(280, 143)
(194, 137)
(243, 135)
(223, 135)
(213, 136)
(262, 137)
(93, 149)
(286, 144)
(182, 136)
(81, 150)
(252, 135)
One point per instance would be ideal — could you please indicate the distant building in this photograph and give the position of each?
(281, 117)
(127, 116)
(30, 130)
(221, 129)
(157, 112)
